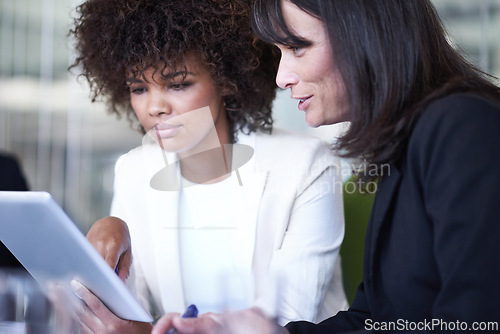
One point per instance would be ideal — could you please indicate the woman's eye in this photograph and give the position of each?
(179, 85)
(137, 90)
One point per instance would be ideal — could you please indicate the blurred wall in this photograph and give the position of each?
(68, 146)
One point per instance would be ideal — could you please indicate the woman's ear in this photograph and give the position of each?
(225, 91)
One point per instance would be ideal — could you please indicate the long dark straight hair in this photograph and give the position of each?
(394, 58)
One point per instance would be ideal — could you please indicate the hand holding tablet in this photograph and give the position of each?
(50, 246)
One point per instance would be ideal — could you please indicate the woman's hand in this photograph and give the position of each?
(204, 324)
(94, 317)
(111, 238)
(249, 321)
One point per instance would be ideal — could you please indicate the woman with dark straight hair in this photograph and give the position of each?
(393, 57)
(417, 106)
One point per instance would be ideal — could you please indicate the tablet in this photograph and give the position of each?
(51, 248)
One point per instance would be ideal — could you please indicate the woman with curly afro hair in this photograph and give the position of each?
(215, 207)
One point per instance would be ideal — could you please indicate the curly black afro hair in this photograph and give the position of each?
(116, 37)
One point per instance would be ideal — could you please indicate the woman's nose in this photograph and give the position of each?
(158, 104)
(286, 78)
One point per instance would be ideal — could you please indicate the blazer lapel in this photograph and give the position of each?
(379, 222)
(163, 203)
(244, 242)
(252, 184)
(387, 187)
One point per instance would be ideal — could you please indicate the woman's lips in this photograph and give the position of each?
(304, 103)
(167, 130)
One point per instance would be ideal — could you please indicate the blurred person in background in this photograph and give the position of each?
(11, 179)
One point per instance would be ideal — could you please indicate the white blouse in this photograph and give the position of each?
(209, 216)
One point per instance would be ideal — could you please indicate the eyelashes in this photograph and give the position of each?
(175, 86)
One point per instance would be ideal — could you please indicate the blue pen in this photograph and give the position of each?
(191, 312)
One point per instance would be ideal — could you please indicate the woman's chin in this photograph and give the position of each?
(313, 122)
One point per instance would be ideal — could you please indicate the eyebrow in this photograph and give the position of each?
(172, 75)
(168, 76)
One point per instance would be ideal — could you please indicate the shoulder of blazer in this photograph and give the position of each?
(285, 148)
(460, 106)
(142, 155)
(454, 118)
(453, 132)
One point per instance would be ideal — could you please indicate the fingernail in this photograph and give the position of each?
(76, 285)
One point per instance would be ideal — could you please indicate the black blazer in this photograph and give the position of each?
(433, 240)
(11, 179)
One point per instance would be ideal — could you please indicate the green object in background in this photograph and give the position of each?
(357, 207)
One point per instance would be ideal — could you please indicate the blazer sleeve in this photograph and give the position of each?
(308, 255)
(122, 208)
(128, 185)
(350, 321)
(305, 256)
(455, 155)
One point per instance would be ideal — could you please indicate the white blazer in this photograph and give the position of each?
(292, 186)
